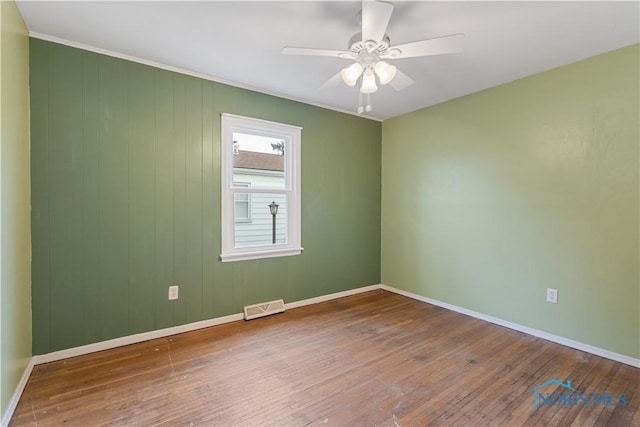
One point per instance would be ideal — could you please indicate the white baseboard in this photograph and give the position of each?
(132, 339)
(329, 297)
(13, 403)
(627, 360)
(161, 333)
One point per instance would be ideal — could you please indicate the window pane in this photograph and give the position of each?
(242, 212)
(259, 160)
(242, 203)
(259, 232)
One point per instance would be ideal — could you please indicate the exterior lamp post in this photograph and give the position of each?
(273, 208)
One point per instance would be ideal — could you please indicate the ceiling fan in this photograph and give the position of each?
(370, 48)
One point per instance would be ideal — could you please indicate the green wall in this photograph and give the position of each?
(489, 199)
(126, 200)
(15, 234)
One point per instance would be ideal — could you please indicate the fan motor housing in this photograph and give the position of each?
(357, 45)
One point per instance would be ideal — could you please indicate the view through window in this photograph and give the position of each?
(258, 163)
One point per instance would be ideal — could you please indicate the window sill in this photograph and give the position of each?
(271, 253)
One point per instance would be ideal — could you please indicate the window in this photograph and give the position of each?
(242, 203)
(260, 189)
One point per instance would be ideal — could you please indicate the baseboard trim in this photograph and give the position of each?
(627, 360)
(329, 297)
(13, 403)
(133, 339)
(161, 333)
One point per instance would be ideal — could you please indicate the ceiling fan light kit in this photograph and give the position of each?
(385, 72)
(371, 46)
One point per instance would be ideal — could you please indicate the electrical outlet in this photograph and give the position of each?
(173, 292)
(552, 295)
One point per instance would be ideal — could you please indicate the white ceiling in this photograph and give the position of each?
(240, 42)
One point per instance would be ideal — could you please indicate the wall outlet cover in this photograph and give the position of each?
(552, 295)
(173, 292)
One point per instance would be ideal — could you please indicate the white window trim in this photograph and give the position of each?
(292, 135)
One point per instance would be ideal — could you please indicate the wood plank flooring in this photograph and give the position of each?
(375, 358)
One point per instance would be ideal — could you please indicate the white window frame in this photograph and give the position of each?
(231, 123)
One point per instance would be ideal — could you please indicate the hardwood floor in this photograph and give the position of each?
(370, 359)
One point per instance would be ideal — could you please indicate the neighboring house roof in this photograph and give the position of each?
(261, 161)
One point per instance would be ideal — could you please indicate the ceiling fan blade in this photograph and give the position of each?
(332, 82)
(316, 52)
(438, 46)
(375, 19)
(400, 81)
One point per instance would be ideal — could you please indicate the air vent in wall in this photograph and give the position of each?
(263, 309)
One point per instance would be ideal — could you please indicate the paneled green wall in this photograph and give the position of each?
(15, 236)
(126, 200)
(491, 198)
